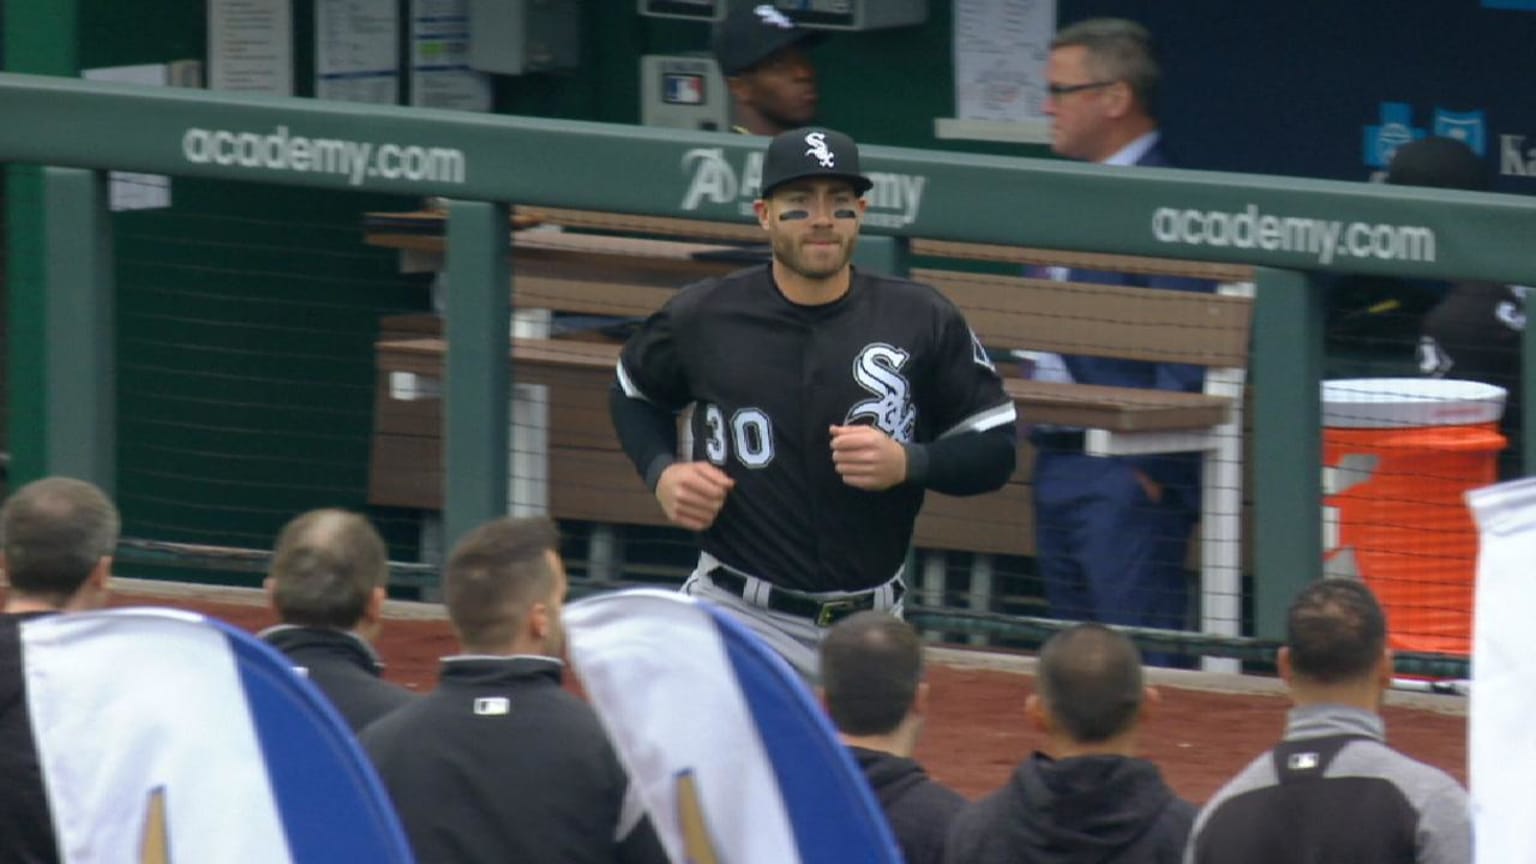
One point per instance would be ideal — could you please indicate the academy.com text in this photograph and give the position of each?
(1324, 239)
(278, 150)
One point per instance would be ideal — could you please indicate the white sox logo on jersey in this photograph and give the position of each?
(818, 142)
(877, 368)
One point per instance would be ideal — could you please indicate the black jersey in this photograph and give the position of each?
(769, 377)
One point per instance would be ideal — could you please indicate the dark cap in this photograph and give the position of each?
(812, 152)
(1442, 163)
(751, 34)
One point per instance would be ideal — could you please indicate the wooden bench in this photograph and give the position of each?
(589, 479)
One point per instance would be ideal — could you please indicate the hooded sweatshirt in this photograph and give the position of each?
(919, 809)
(1099, 809)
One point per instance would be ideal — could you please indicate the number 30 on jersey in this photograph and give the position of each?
(749, 434)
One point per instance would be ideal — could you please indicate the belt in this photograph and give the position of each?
(1058, 440)
(824, 613)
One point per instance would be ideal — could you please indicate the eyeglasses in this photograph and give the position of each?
(1059, 90)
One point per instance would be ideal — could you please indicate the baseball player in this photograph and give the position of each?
(827, 401)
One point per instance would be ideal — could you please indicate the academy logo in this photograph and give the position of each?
(714, 180)
(895, 200)
(878, 370)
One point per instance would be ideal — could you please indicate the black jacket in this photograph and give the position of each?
(919, 809)
(499, 763)
(344, 668)
(26, 823)
(1308, 798)
(1098, 809)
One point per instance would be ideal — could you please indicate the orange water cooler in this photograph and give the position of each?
(1398, 453)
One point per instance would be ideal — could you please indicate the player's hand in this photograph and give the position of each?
(867, 458)
(1153, 490)
(692, 493)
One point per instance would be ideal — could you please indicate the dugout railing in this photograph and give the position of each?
(1292, 229)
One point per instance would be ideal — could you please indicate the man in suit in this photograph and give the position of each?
(1112, 532)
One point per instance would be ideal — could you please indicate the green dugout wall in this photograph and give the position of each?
(276, 456)
(1287, 226)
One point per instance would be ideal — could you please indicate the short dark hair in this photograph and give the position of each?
(1118, 50)
(494, 575)
(1439, 163)
(325, 566)
(1089, 678)
(871, 664)
(1335, 631)
(54, 532)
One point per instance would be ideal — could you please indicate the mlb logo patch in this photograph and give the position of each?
(493, 706)
(679, 89)
(1303, 762)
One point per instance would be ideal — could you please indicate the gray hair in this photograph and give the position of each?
(54, 532)
(1118, 50)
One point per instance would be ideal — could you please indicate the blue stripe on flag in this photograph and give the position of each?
(332, 804)
(834, 814)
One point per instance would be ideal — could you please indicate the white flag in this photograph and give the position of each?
(171, 738)
(732, 756)
(1501, 735)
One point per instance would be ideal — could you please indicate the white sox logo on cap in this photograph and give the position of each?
(773, 16)
(818, 142)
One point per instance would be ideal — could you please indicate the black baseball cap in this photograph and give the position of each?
(751, 34)
(812, 151)
(1442, 163)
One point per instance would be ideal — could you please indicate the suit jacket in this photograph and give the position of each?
(1180, 471)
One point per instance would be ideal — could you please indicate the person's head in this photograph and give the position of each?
(1089, 689)
(871, 673)
(811, 203)
(1336, 644)
(57, 536)
(329, 569)
(1441, 163)
(504, 586)
(762, 54)
(1103, 78)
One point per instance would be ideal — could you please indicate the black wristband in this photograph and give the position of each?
(654, 470)
(917, 464)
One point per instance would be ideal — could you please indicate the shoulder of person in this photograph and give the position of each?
(1428, 781)
(696, 295)
(906, 290)
(977, 831)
